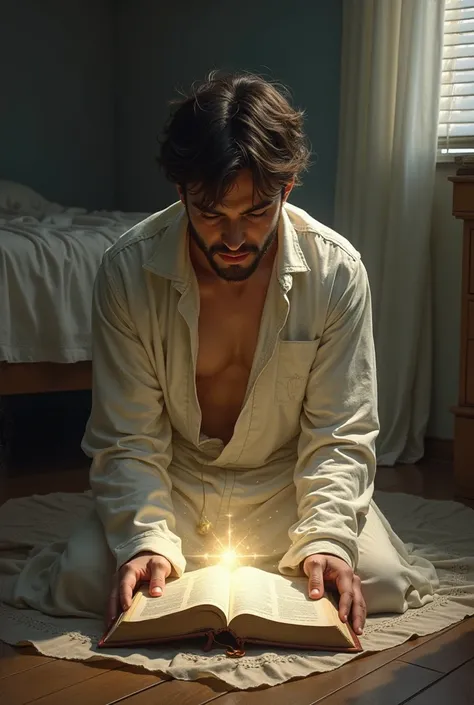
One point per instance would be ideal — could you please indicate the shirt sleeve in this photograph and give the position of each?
(335, 470)
(128, 435)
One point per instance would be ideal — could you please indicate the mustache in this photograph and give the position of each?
(222, 249)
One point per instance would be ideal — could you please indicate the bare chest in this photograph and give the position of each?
(228, 335)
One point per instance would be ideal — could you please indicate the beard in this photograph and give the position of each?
(233, 272)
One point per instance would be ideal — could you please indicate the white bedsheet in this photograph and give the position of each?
(47, 271)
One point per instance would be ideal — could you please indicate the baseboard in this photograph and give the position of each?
(439, 449)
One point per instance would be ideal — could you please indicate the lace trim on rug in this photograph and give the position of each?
(44, 625)
(456, 577)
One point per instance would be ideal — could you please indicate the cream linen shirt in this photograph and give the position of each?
(311, 397)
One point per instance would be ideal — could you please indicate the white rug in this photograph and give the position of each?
(441, 531)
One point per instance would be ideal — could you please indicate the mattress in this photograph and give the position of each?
(47, 271)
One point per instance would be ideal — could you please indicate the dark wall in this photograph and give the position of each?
(86, 85)
(57, 98)
(162, 46)
(84, 94)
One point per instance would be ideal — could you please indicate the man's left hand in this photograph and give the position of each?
(323, 569)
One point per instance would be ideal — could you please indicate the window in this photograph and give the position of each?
(456, 116)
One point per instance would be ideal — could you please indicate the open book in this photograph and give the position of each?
(250, 604)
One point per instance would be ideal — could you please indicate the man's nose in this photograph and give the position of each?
(233, 237)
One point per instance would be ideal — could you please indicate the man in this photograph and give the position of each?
(234, 383)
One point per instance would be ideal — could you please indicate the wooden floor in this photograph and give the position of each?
(434, 670)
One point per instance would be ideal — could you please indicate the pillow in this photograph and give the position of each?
(17, 198)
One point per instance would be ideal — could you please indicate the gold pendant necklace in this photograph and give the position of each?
(204, 526)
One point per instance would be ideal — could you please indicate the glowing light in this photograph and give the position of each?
(229, 557)
(228, 553)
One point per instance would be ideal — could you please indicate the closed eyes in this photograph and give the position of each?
(215, 216)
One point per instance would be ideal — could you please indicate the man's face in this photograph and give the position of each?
(236, 234)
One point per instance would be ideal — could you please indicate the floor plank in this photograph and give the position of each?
(302, 691)
(391, 685)
(177, 693)
(104, 688)
(446, 652)
(124, 682)
(457, 687)
(434, 479)
(23, 688)
(14, 661)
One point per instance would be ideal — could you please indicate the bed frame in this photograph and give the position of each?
(37, 377)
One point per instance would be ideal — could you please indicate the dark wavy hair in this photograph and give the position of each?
(232, 122)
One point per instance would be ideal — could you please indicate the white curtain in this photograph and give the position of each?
(391, 69)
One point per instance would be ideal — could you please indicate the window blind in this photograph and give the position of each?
(456, 115)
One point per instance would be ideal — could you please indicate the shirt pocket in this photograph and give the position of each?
(295, 359)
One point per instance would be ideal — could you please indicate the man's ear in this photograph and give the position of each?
(287, 190)
(181, 194)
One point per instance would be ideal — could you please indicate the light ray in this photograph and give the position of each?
(229, 554)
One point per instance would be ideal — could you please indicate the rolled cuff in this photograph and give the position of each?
(291, 562)
(155, 543)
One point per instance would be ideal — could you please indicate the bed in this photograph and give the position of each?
(49, 257)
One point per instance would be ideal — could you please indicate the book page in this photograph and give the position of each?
(206, 586)
(277, 598)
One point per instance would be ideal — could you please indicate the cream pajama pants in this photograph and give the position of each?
(74, 577)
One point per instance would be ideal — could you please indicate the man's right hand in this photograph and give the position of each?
(145, 566)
